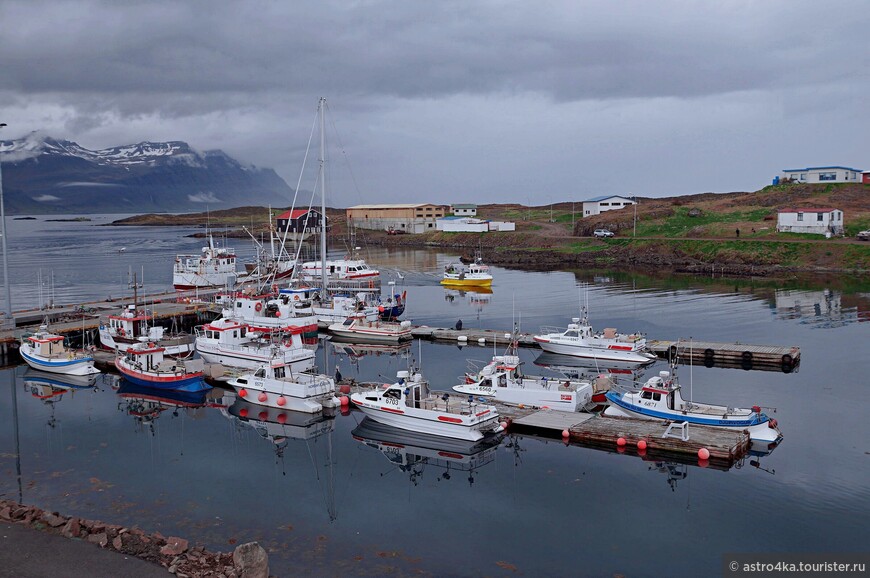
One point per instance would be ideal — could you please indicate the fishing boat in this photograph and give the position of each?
(268, 312)
(123, 330)
(392, 305)
(502, 379)
(350, 268)
(359, 329)
(660, 398)
(408, 404)
(474, 274)
(580, 340)
(213, 267)
(274, 385)
(46, 351)
(329, 308)
(231, 342)
(144, 364)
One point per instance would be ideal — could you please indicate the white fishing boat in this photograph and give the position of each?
(274, 385)
(360, 329)
(351, 268)
(213, 267)
(502, 379)
(660, 398)
(46, 351)
(268, 313)
(408, 404)
(475, 274)
(580, 340)
(231, 342)
(330, 308)
(123, 330)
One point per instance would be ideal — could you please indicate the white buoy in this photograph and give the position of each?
(461, 338)
(482, 340)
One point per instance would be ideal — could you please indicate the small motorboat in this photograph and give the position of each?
(408, 404)
(123, 330)
(274, 385)
(144, 364)
(660, 398)
(359, 329)
(580, 341)
(502, 379)
(475, 274)
(230, 341)
(46, 351)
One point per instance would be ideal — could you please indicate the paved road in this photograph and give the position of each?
(29, 553)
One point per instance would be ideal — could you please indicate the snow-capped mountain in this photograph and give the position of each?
(45, 175)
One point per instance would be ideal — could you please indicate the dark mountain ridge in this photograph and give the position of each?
(45, 175)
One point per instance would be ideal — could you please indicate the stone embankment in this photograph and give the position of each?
(173, 553)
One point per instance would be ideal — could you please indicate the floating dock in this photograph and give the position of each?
(743, 355)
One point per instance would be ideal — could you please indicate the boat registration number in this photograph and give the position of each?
(391, 401)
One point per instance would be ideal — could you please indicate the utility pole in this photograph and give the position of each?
(8, 310)
(634, 234)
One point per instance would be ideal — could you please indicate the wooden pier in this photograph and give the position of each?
(726, 447)
(742, 355)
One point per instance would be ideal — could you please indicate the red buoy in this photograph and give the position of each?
(344, 388)
(243, 393)
(262, 397)
(243, 412)
(345, 400)
(282, 418)
(704, 454)
(641, 444)
(565, 433)
(263, 416)
(620, 442)
(281, 401)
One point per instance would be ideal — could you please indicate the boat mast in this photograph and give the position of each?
(322, 199)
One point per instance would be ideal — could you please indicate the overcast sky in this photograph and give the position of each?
(457, 101)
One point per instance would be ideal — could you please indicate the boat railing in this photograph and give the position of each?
(547, 329)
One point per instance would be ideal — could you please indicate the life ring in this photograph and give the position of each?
(296, 298)
(258, 307)
(274, 288)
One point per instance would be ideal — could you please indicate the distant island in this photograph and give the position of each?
(73, 220)
(24, 219)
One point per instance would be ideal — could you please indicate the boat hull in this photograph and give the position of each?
(79, 366)
(532, 395)
(189, 382)
(300, 360)
(285, 396)
(369, 337)
(762, 430)
(597, 353)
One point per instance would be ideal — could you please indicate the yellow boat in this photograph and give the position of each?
(474, 275)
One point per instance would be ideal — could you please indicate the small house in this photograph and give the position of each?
(598, 205)
(823, 175)
(466, 210)
(821, 221)
(299, 223)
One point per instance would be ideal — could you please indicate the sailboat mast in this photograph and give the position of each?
(322, 197)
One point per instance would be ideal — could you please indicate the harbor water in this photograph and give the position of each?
(333, 495)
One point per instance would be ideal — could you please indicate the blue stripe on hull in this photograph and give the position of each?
(191, 384)
(36, 360)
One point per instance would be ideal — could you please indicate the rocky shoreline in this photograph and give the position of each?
(173, 553)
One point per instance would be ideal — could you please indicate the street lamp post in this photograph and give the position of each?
(8, 309)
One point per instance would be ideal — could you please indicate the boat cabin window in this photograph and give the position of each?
(347, 322)
(394, 393)
(279, 372)
(657, 397)
(647, 395)
(260, 372)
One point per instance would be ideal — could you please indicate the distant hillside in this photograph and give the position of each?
(44, 175)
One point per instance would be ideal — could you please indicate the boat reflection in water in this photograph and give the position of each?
(412, 452)
(50, 387)
(146, 404)
(356, 351)
(279, 425)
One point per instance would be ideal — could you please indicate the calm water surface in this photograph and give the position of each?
(330, 495)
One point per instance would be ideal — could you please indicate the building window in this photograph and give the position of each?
(820, 217)
(800, 216)
(604, 204)
(828, 176)
(803, 176)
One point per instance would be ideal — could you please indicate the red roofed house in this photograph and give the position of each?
(821, 221)
(299, 221)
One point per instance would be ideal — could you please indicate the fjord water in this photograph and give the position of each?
(325, 498)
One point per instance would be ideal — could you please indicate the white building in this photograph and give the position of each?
(607, 203)
(811, 220)
(466, 210)
(461, 225)
(823, 175)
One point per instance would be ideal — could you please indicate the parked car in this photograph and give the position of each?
(602, 233)
(864, 235)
